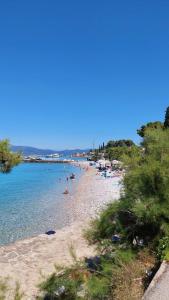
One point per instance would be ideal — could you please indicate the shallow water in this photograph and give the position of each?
(32, 200)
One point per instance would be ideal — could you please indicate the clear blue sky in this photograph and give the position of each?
(77, 71)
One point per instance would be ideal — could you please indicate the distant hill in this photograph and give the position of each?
(27, 150)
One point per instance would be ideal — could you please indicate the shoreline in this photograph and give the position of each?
(32, 200)
(28, 261)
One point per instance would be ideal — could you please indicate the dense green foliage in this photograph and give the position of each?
(117, 153)
(8, 159)
(116, 149)
(120, 143)
(154, 125)
(151, 125)
(142, 213)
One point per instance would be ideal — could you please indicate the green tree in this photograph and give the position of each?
(151, 125)
(120, 143)
(8, 159)
(166, 121)
(147, 185)
(118, 152)
(143, 209)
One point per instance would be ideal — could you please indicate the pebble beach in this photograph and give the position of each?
(29, 261)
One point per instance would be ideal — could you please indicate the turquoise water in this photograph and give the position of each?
(32, 200)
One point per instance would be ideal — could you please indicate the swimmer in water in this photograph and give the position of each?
(66, 191)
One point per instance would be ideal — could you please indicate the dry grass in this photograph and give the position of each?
(128, 280)
(7, 293)
(3, 289)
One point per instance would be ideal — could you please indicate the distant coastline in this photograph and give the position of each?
(27, 150)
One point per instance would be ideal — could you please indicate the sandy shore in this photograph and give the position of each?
(27, 261)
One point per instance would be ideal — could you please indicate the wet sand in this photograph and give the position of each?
(29, 260)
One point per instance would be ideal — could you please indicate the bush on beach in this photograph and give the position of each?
(8, 159)
(143, 209)
(119, 276)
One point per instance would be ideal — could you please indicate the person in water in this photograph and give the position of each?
(66, 191)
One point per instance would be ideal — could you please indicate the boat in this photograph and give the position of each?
(55, 155)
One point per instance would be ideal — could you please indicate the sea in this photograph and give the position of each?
(32, 200)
